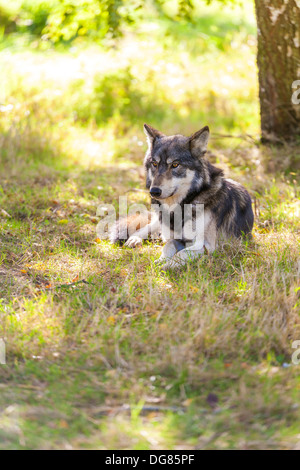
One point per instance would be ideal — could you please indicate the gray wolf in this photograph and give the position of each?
(178, 174)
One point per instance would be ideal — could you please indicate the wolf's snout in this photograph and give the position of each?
(155, 192)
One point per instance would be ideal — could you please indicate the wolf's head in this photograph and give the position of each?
(174, 165)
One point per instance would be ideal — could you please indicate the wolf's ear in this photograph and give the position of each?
(151, 134)
(199, 141)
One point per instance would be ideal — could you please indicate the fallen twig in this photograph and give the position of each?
(246, 137)
(106, 411)
(5, 214)
(71, 284)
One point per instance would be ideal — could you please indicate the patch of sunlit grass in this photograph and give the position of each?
(97, 334)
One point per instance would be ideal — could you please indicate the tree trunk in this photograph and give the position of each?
(279, 67)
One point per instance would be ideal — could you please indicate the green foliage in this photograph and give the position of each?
(64, 20)
(55, 21)
(117, 95)
(97, 18)
(26, 16)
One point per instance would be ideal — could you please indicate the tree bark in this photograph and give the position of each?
(278, 60)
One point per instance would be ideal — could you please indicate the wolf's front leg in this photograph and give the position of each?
(134, 241)
(170, 249)
(137, 238)
(182, 257)
(188, 254)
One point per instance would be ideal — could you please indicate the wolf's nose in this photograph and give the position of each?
(155, 192)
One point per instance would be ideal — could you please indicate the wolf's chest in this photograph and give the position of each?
(184, 223)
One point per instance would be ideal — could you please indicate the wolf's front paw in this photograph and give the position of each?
(134, 241)
(171, 265)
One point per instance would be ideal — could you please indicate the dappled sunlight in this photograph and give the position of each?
(181, 90)
(105, 349)
(152, 432)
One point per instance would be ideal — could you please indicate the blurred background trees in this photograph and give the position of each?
(278, 61)
(63, 21)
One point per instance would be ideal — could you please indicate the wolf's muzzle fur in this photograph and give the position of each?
(177, 173)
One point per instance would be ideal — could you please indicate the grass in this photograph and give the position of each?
(134, 358)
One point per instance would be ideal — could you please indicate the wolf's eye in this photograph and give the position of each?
(154, 163)
(175, 165)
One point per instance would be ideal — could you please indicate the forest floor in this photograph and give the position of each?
(103, 349)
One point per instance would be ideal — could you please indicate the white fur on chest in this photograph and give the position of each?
(199, 228)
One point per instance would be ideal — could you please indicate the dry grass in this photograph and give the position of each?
(133, 335)
(133, 357)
